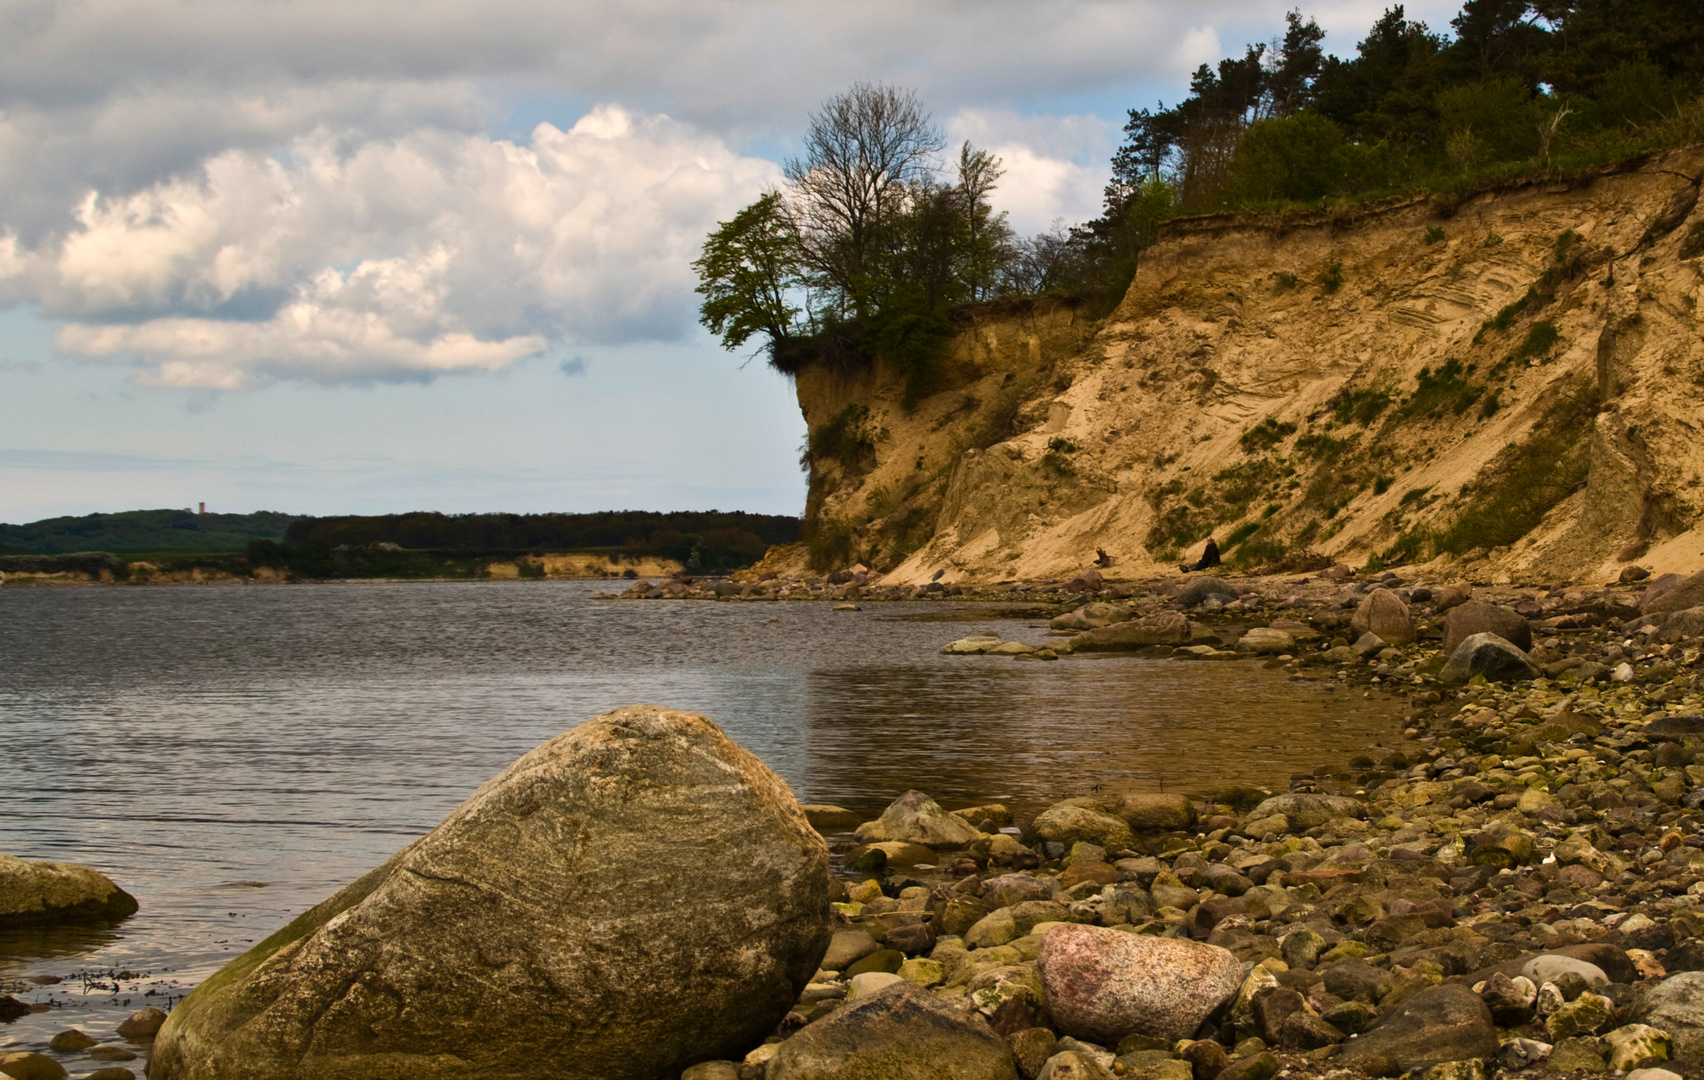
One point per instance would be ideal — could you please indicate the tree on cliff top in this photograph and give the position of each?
(866, 248)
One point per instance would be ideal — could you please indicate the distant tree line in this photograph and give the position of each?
(700, 540)
(875, 237)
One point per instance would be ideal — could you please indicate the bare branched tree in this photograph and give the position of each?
(863, 152)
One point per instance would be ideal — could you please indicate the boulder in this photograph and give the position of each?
(32, 892)
(1199, 589)
(846, 948)
(633, 896)
(1491, 656)
(27, 1065)
(974, 645)
(915, 818)
(1066, 824)
(1445, 1023)
(1161, 628)
(1683, 624)
(1305, 811)
(1684, 594)
(1157, 812)
(1478, 617)
(1386, 614)
(142, 1025)
(1105, 984)
(900, 1032)
(1265, 641)
(1675, 1005)
(1090, 616)
(831, 819)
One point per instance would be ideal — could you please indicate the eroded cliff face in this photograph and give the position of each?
(1514, 383)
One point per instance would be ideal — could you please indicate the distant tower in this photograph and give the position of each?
(203, 508)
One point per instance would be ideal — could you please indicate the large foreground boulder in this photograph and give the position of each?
(1105, 984)
(900, 1032)
(1445, 1023)
(1478, 617)
(917, 819)
(635, 895)
(35, 892)
(1488, 655)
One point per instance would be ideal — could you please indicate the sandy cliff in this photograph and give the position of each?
(1513, 381)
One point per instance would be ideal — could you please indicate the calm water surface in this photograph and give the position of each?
(232, 755)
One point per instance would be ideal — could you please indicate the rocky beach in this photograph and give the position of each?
(1513, 889)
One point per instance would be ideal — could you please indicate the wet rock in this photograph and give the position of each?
(1674, 1005)
(1445, 1023)
(886, 961)
(25, 1065)
(1576, 1055)
(1684, 594)
(1489, 655)
(1636, 1046)
(974, 645)
(111, 1052)
(1090, 616)
(1518, 1053)
(1161, 628)
(1157, 812)
(1207, 1058)
(1203, 587)
(661, 874)
(846, 948)
(865, 983)
(1265, 641)
(712, 1070)
(897, 1033)
(1552, 966)
(1303, 1030)
(1306, 811)
(1070, 1065)
(1103, 984)
(33, 891)
(1064, 823)
(831, 819)
(1478, 617)
(69, 1042)
(1385, 614)
(873, 857)
(1031, 1048)
(1681, 625)
(1510, 1000)
(1258, 1066)
(915, 818)
(111, 1073)
(142, 1024)
(1587, 1014)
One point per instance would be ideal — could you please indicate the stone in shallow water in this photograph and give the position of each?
(915, 818)
(641, 868)
(32, 891)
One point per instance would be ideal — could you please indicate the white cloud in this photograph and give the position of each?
(244, 191)
(409, 257)
(1056, 166)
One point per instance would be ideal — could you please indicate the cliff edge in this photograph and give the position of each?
(1511, 381)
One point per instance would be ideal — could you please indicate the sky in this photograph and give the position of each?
(401, 254)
